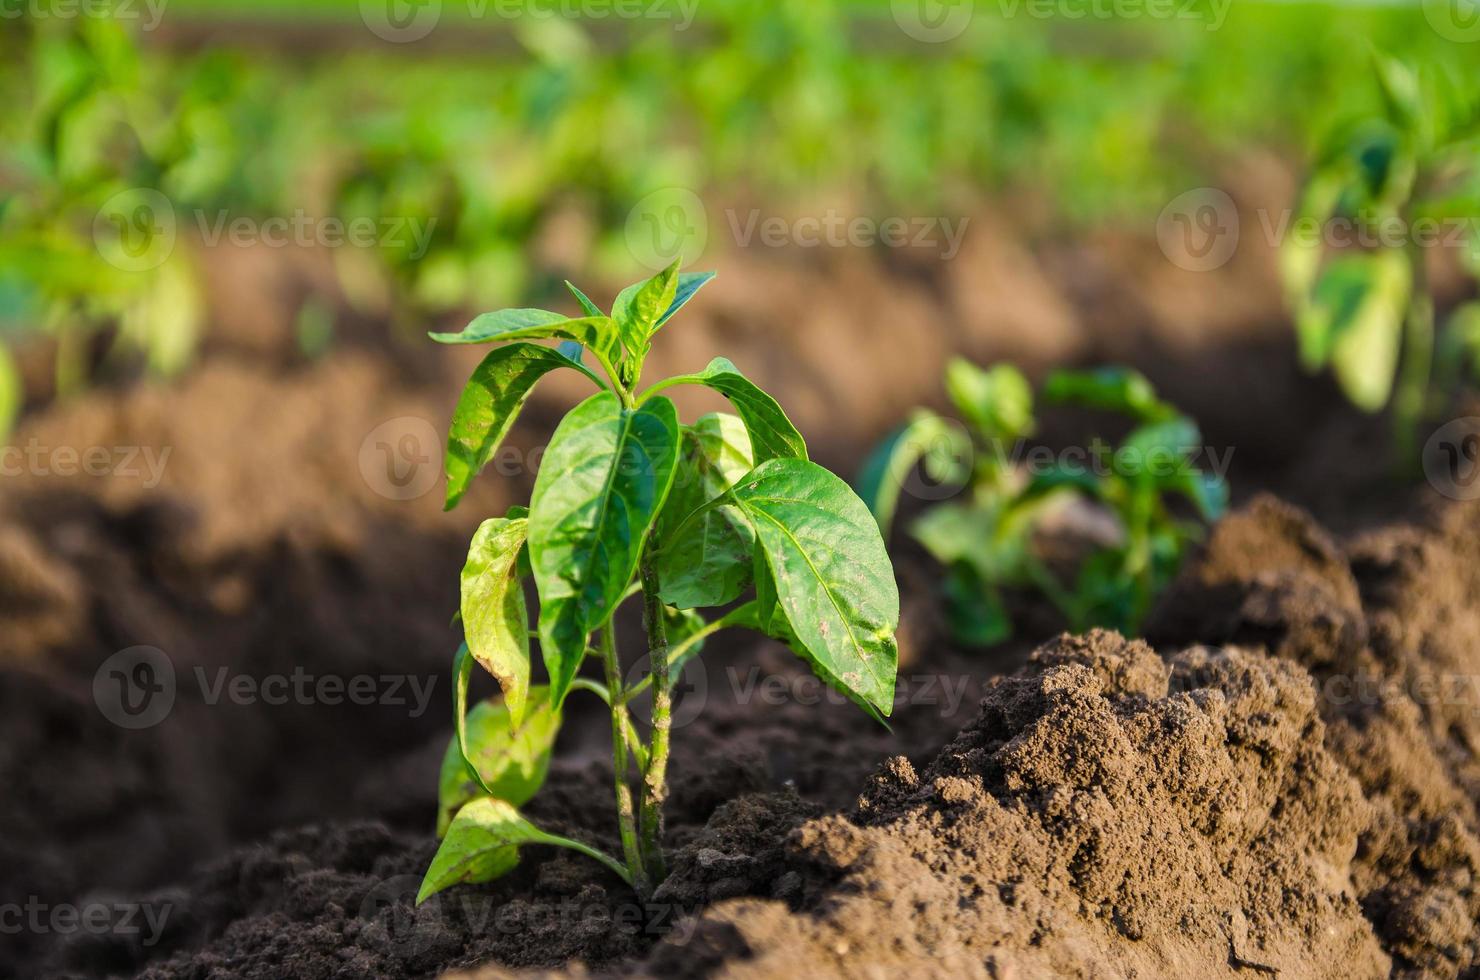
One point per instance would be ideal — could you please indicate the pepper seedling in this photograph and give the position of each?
(985, 539)
(1390, 183)
(629, 502)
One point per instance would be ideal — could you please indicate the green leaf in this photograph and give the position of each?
(601, 485)
(495, 621)
(483, 844)
(1113, 389)
(706, 561)
(1355, 320)
(941, 443)
(1301, 253)
(1401, 92)
(680, 624)
(462, 674)
(1459, 347)
(992, 537)
(1156, 445)
(12, 391)
(1208, 492)
(833, 582)
(954, 532)
(689, 283)
(997, 402)
(490, 403)
(510, 759)
(590, 308)
(772, 436)
(1053, 479)
(639, 306)
(596, 332)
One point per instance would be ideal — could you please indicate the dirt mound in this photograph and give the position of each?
(1088, 823)
(1386, 626)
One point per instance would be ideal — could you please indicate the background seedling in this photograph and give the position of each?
(986, 539)
(629, 503)
(1365, 309)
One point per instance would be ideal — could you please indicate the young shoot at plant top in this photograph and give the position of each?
(630, 502)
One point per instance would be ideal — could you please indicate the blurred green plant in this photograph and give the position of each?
(988, 541)
(84, 246)
(1362, 304)
(530, 162)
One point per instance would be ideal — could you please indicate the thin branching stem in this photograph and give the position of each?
(626, 818)
(655, 777)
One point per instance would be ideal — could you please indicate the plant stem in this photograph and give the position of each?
(626, 821)
(680, 652)
(626, 874)
(70, 360)
(655, 777)
(1418, 358)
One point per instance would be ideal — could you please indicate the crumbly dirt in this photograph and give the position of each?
(1285, 796)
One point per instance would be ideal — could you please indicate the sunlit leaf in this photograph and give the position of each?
(833, 580)
(601, 484)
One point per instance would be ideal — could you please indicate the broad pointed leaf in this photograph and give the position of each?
(689, 283)
(706, 561)
(997, 402)
(495, 620)
(1367, 335)
(602, 482)
(597, 332)
(943, 445)
(510, 759)
(1207, 491)
(490, 403)
(462, 676)
(772, 435)
(832, 578)
(1109, 389)
(1158, 450)
(483, 844)
(590, 308)
(639, 306)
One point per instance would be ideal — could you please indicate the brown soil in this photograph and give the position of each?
(1283, 783)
